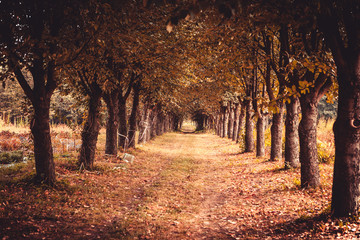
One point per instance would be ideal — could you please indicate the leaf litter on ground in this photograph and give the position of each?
(180, 186)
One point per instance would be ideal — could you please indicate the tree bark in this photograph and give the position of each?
(160, 121)
(241, 122)
(236, 122)
(123, 126)
(310, 176)
(44, 85)
(133, 115)
(217, 125)
(231, 120)
(260, 136)
(175, 122)
(91, 129)
(226, 120)
(154, 120)
(40, 129)
(292, 134)
(276, 133)
(346, 54)
(112, 123)
(222, 121)
(346, 182)
(144, 124)
(249, 128)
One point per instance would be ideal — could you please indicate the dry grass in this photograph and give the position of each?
(180, 186)
(12, 128)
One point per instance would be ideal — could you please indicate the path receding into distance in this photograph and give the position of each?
(199, 186)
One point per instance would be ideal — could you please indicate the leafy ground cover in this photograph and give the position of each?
(180, 186)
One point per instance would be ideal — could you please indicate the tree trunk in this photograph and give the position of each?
(241, 123)
(222, 121)
(346, 182)
(149, 125)
(276, 134)
(310, 176)
(216, 124)
(249, 128)
(175, 122)
(292, 134)
(91, 130)
(123, 129)
(159, 122)
(40, 129)
(133, 115)
(236, 122)
(112, 123)
(40, 95)
(231, 120)
(144, 124)
(154, 120)
(260, 136)
(226, 121)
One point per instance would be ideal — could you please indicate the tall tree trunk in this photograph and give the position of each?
(276, 133)
(149, 125)
(231, 120)
(91, 129)
(217, 124)
(40, 129)
(236, 122)
(154, 120)
(226, 120)
(176, 122)
(133, 115)
(346, 182)
(160, 121)
(310, 176)
(40, 95)
(112, 123)
(346, 54)
(144, 124)
(249, 128)
(292, 134)
(241, 122)
(222, 121)
(260, 136)
(123, 126)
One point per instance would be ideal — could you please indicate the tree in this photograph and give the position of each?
(36, 38)
(133, 116)
(339, 21)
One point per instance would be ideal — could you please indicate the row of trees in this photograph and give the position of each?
(92, 50)
(269, 54)
(298, 49)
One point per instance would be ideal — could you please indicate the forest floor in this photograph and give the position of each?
(180, 186)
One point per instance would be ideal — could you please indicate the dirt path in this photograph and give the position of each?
(202, 188)
(180, 186)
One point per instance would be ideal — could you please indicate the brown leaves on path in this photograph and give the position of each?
(180, 186)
